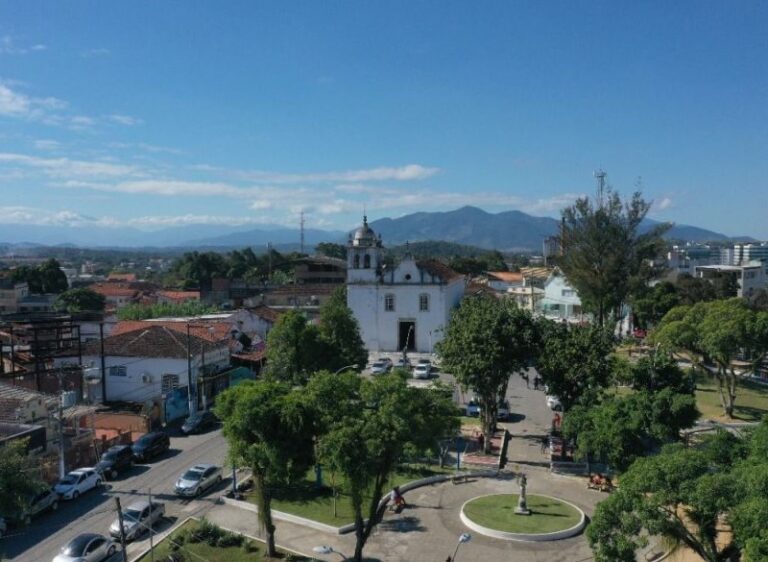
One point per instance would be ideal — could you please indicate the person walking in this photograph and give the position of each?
(544, 444)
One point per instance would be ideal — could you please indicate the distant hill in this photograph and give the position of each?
(509, 231)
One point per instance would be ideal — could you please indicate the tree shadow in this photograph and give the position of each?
(406, 524)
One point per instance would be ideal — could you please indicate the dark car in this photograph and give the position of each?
(151, 445)
(115, 460)
(197, 422)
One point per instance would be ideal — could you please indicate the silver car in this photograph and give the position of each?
(88, 547)
(197, 479)
(137, 519)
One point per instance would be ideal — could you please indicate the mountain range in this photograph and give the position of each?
(506, 231)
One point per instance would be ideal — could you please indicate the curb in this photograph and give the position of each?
(344, 529)
(525, 537)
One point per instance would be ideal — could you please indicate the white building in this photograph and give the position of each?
(406, 307)
(750, 276)
(560, 299)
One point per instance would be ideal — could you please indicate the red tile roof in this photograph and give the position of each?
(152, 341)
(180, 295)
(113, 290)
(121, 277)
(210, 331)
(507, 276)
(265, 312)
(438, 269)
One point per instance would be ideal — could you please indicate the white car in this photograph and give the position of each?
(472, 408)
(77, 482)
(88, 547)
(380, 367)
(197, 479)
(553, 402)
(422, 371)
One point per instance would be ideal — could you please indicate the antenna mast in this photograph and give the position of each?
(301, 222)
(600, 175)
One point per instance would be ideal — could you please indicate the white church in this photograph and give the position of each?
(406, 307)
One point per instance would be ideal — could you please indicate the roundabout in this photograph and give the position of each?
(550, 519)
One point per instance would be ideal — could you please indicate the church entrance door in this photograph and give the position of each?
(407, 336)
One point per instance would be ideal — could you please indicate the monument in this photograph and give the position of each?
(522, 502)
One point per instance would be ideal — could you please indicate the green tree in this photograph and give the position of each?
(576, 362)
(332, 250)
(294, 348)
(47, 278)
(80, 300)
(198, 269)
(486, 341)
(268, 426)
(653, 303)
(365, 425)
(604, 252)
(146, 312)
(340, 334)
(16, 484)
(692, 290)
(714, 334)
(690, 497)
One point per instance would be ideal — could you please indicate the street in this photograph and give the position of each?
(94, 511)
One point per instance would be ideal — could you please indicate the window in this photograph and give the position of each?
(389, 303)
(367, 261)
(424, 302)
(568, 292)
(168, 383)
(118, 371)
(356, 262)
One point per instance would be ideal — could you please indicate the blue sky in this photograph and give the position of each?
(154, 114)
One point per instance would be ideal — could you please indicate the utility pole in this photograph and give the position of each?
(62, 460)
(103, 365)
(600, 175)
(190, 397)
(151, 542)
(122, 528)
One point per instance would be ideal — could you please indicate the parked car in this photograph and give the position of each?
(380, 367)
(473, 408)
(197, 422)
(198, 479)
(422, 371)
(151, 445)
(137, 518)
(553, 402)
(88, 547)
(115, 460)
(77, 482)
(403, 363)
(47, 499)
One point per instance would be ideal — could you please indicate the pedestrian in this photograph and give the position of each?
(481, 441)
(544, 444)
(527, 381)
(397, 498)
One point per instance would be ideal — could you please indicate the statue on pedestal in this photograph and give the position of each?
(522, 501)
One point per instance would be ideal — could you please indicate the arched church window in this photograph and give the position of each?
(357, 261)
(367, 261)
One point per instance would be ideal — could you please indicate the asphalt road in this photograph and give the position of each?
(94, 512)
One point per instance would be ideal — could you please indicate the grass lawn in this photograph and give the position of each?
(751, 399)
(306, 500)
(467, 421)
(203, 551)
(498, 512)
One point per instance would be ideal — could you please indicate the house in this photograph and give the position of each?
(11, 293)
(505, 280)
(405, 307)
(320, 270)
(117, 295)
(177, 297)
(560, 299)
(124, 277)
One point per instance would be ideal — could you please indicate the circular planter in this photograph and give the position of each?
(524, 536)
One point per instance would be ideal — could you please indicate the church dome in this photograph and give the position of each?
(364, 235)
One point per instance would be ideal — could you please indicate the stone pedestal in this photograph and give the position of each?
(522, 501)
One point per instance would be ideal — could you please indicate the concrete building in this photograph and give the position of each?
(405, 307)
(11, 293)
(560, 299)
(750, 277)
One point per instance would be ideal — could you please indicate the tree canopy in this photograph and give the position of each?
(576, 362)
(604, 252)
(80, 300)
(268, 426)
(163, 310)
(690, 496)
(340, 334)
(714, 334)
(365, 425)
(16, 484)
(46, 278)
(486, 341)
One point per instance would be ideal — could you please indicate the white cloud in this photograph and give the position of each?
(8, 46)
(664, 204)
(90, 53)
(45, 217)
(409, 172)
(124, 119)
(261, 204)
(47, 144)
(65, 167)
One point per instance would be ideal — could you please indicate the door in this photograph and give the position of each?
(407, 336)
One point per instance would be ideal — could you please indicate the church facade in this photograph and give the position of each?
(405, 307)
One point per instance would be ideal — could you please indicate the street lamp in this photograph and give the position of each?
(464, 537)
(326, 549)
(355, 366)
